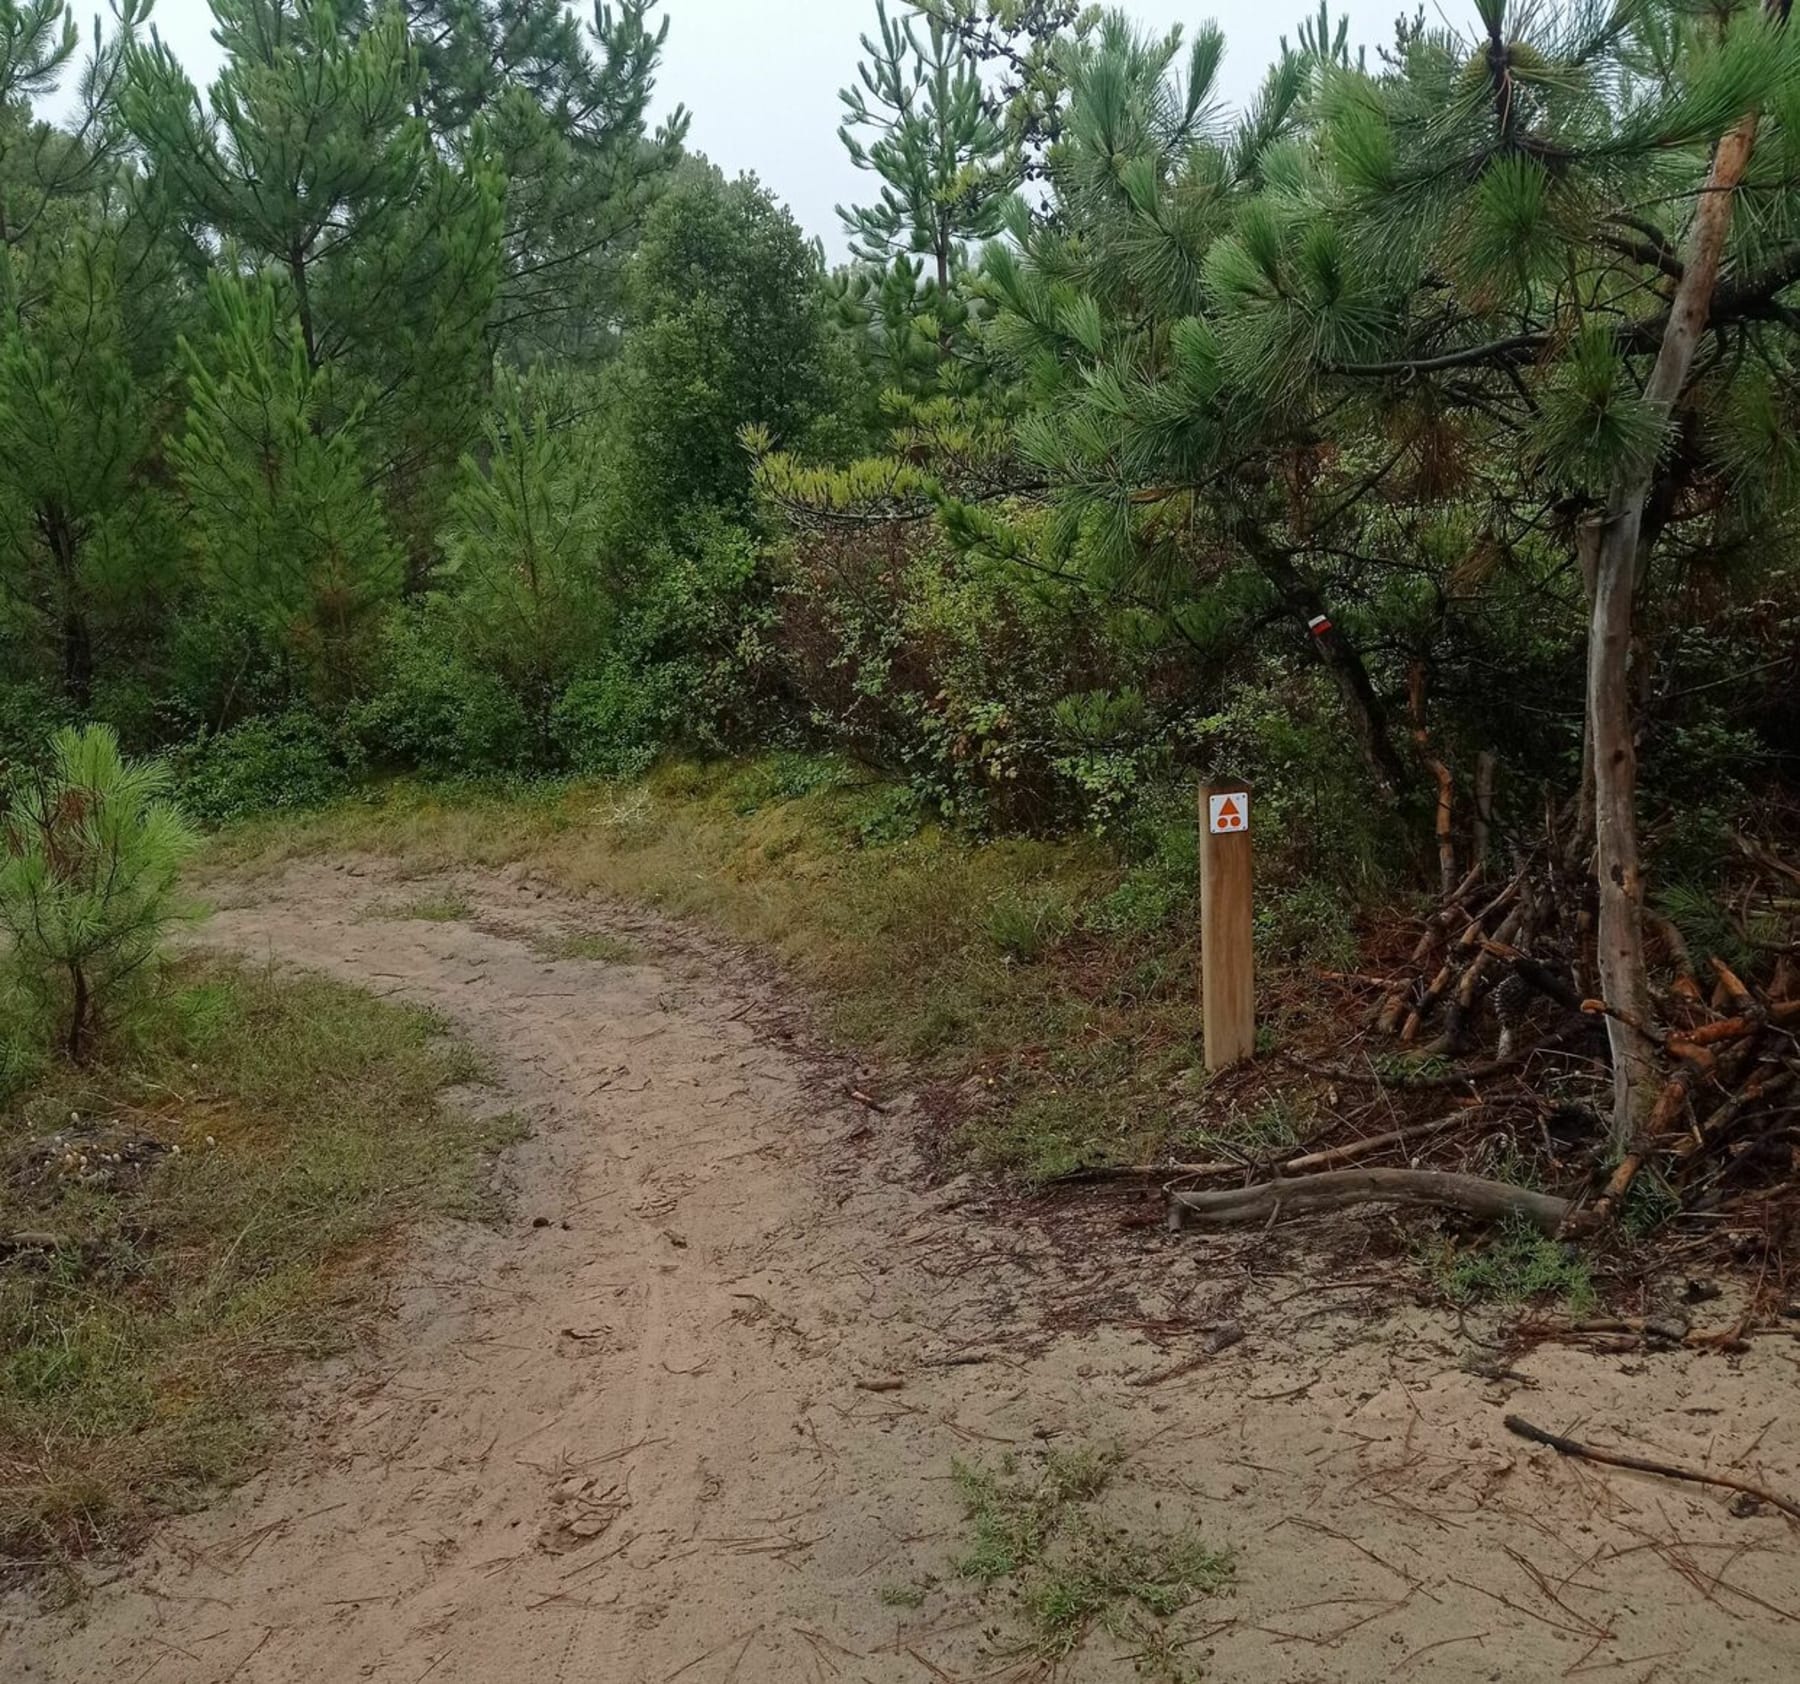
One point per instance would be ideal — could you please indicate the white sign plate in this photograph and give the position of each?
(1229, 815)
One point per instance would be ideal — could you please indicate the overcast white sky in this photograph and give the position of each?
(761, 77)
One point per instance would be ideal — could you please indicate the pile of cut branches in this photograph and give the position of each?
(1511, 965)
(1497, 1006)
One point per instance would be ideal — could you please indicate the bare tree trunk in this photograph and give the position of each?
(62, 539)
(1615, 545)
(80, 1009)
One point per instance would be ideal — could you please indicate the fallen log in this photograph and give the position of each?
(1340, 1189)
(1644, 1464)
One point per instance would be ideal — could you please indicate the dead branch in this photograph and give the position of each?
(1762, 856)
(1341, 1189)
(1742, 1001)
(1686, 985)
(1446, 784)
(1436, 926)
(1644, 1464)
(1753, 1092)
(1671, 1105)
(1455, 1079)
(1476, 1117)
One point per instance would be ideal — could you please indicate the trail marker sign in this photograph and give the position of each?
(1228, 813)
(1227, 971)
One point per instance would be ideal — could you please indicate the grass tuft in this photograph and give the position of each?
(448, 908)
(1516, 1265)
(596, 948)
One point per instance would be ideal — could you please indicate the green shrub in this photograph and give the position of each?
(978, 684)
(614, 724)
(686, 658)
(437, 710)
(1163, 883)
(287, 763)
(28, 717)
(893, 814)
(1307, 923)
(89, 853)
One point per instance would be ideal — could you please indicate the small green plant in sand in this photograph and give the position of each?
(1040, 1532)
(905, 1595)
(1516, 1265)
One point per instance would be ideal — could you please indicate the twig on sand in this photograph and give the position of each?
(1644, 1464)
(742, 1637)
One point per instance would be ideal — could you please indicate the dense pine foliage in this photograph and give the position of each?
(1419, 442)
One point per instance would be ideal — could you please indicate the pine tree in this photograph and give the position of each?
(1027, 45)
(940, 151)
(527, 549)
(42, 165)
(91, 851)
(83, 547)
(311, 167)
(1165, 460)
(287, 527)
(562, 109)
(1532, 226)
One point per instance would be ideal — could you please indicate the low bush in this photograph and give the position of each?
(616, 723)
(436, 709)
(29, 716)
(279, 764)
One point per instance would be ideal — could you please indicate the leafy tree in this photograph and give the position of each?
(90, 851)
(726, 332)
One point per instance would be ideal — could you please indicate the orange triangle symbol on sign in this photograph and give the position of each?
(1229, 810)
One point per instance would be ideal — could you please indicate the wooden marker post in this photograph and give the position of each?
(1227, 963)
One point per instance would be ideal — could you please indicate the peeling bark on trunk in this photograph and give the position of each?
(1611, 551)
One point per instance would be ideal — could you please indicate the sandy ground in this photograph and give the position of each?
(629, 1434)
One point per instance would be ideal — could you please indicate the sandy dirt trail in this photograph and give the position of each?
(625, 1437)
